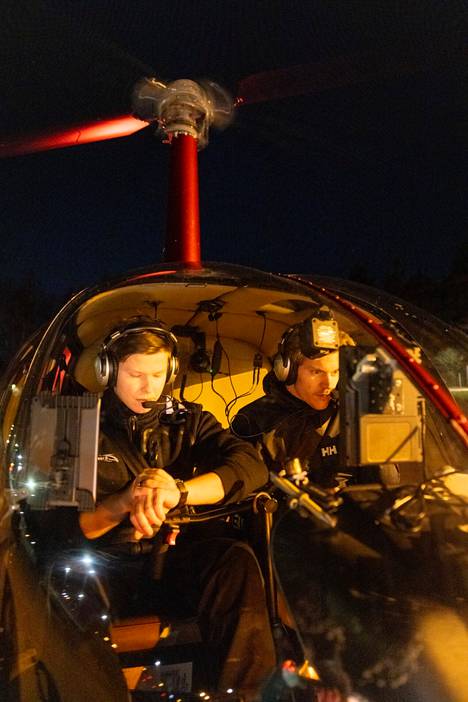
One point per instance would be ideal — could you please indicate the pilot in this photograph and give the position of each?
(296, 423)
(157, 454)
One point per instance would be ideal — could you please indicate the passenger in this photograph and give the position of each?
(156, 454)
(298, 417)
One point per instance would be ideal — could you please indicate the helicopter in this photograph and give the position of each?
(390, 563)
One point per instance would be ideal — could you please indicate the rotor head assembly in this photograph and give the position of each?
(183, 107)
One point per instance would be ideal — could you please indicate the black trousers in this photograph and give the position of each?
(219, 581)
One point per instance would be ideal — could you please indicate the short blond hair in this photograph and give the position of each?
(145, 342)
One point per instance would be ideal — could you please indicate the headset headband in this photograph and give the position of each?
(318, 335)
(155, 328)
(106, 364)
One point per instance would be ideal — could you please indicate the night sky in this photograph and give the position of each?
(371, 173)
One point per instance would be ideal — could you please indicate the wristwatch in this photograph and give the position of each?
(181, 486)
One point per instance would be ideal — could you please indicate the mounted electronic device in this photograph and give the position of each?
(381, 410)
(61, 453)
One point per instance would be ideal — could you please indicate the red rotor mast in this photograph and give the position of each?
(184, 110)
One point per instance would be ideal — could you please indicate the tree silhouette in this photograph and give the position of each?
(24, 307)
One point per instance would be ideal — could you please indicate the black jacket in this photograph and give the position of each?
(183, 439)
(284, 427)
(185, 444)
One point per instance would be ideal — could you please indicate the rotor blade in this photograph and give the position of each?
(61, 83)
(72, 136)
(340, 72)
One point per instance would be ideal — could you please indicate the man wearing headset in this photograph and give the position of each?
(298, 417)
(295, 426)
(156, 454)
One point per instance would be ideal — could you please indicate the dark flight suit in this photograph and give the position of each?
(284, 427)
(207, 573)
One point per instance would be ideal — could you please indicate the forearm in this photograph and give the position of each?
(237, 464)
(205, 489)
(106, 516)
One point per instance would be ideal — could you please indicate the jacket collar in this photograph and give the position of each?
(119, 415)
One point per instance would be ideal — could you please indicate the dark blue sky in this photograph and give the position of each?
(365, 173)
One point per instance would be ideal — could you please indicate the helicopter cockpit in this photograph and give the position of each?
(228, 331)
(228, 322)
(357, 159)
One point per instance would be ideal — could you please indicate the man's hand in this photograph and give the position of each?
(154, 493)
(147, 501)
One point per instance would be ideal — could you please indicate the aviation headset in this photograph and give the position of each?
(317, 336)
(106, 365)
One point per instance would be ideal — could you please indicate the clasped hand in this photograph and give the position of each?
(153, 493)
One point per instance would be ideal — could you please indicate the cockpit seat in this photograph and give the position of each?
(84, 372)
(136, 633)
(138, 640)
(145, 632)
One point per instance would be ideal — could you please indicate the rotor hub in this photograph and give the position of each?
(183, 107)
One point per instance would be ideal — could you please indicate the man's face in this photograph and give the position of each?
(316, 378)
(141, 377)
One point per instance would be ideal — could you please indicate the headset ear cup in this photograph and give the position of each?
(106, 365)
(113, 369)
(292, 374)
(172, 369)
(101, 367)
(106, 368)
(200, 362)
(281, 367)
(285, 369)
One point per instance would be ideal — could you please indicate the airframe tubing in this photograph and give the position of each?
(440, 397)
(183, 217)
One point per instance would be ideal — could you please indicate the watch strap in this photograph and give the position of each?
(181, 486)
